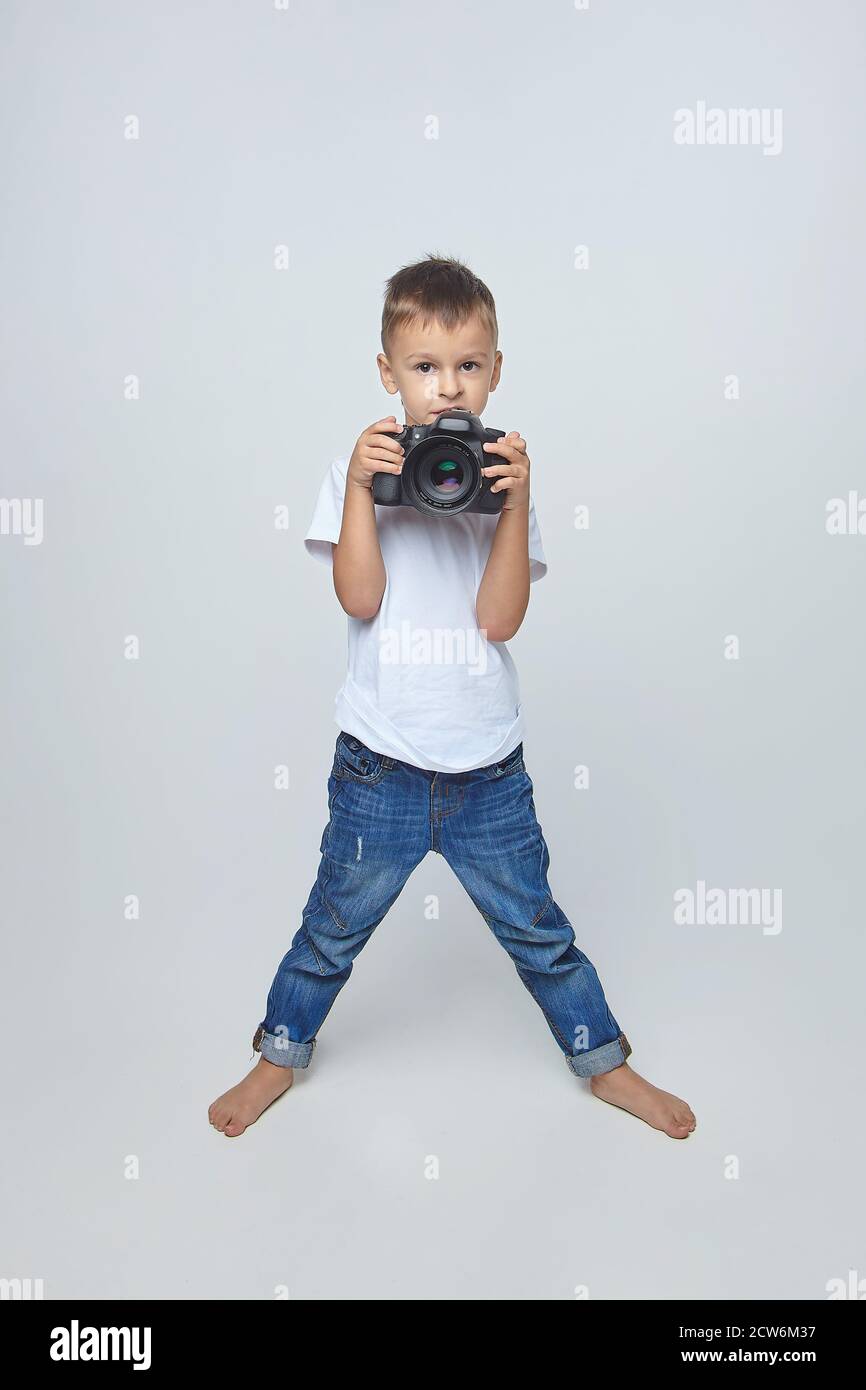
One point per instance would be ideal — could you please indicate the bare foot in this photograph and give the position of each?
(244, 1103)
(628, 1090)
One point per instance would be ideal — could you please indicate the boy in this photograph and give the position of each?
(429, 754)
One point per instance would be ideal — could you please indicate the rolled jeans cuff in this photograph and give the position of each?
(283, 1052)
(600, 1059)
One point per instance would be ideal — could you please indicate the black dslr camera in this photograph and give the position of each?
(442, 466)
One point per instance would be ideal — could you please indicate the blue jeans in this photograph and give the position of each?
(384, 817)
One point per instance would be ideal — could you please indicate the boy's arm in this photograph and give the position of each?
(503, 594)
(358, 568)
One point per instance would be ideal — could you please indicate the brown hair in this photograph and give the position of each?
(439, 287)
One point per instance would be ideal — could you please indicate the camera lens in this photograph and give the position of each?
(444, 476)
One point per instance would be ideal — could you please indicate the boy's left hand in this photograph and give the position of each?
(514, 475)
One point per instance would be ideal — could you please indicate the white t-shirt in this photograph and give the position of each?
(422, 684)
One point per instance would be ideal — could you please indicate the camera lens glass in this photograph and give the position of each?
(445, 476)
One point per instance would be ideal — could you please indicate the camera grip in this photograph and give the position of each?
(386, 489)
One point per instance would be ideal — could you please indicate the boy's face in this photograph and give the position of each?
(434, 369)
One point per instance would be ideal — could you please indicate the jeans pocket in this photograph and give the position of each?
(355, 762)
(513, 762)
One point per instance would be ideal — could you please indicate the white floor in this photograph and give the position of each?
(542, 1190)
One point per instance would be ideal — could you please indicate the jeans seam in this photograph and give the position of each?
(341, 926)
(339, 782)
(313, 948)
(544, 906)
(324, 880)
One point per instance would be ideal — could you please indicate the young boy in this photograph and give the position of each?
(429, 754)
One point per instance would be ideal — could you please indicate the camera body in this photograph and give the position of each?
(442, 465)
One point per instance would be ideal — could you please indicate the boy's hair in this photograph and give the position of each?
(441, 288)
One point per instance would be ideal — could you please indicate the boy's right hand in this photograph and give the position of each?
(375, 452)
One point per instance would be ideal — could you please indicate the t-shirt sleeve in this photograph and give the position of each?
(324, 530)
(537, 558)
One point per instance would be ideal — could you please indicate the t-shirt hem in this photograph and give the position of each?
(353, 721)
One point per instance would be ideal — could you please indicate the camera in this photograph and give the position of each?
(442, 465)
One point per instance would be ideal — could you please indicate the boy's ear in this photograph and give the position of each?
(386, 374)
(497, 370)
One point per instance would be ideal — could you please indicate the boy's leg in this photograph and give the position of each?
(490, 836)
(378, 831)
